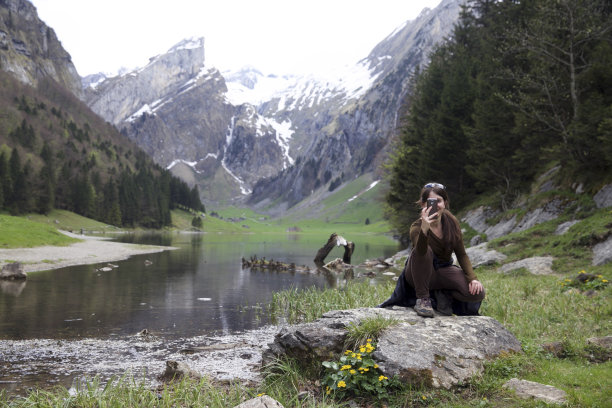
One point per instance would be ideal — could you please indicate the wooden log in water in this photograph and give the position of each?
(333, 241)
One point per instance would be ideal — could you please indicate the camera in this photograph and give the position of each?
(433, 204)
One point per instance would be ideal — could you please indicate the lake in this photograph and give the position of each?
(197, 289)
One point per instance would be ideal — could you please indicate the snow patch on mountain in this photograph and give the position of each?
(283, 136)
(371, 186)
(295, 92)
(188, 163)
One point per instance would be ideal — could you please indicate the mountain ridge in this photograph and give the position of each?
(248, 129)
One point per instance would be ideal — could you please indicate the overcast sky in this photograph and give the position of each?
(276, 36)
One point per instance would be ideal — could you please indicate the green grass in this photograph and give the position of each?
(334, 213)
(130, 392)
(367, 329)
(18, 232)
(69, 221)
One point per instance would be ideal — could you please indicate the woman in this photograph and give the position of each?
(435, 236)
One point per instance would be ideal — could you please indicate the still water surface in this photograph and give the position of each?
(197, 289)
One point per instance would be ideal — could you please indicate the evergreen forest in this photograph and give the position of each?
(56, 153)
(519, 87)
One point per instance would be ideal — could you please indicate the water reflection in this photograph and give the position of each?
(162, 292)
(13, 288)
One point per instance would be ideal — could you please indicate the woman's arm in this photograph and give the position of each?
(464, 260)
(418, 237)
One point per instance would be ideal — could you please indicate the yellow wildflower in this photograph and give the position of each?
(604, 280)
(382, 377)
(347, 352)
(582, 271)
(358, 357)
(375, 365)
(369, 340)
(424, 397)
(362, 349)
(262, 394)
(568, 280)
(353, 355)
(600, 276)
(352, 371)
(366, 370)
(345, 367)
(341, 384)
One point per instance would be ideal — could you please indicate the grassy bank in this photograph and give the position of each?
(18, 232)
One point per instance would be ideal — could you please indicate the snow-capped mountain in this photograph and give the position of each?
(259, 137)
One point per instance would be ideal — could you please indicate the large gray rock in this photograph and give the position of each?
(13, 271)
(603, 198)
(564, 227)
(261, 402)
(179, 369)
(549, 211)
(602, 252)
(529, 389)
(477, 218)
(538, 265)
(500, 229)
(439, 352)
(479, 255)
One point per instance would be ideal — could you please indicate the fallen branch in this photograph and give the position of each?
(333, 241)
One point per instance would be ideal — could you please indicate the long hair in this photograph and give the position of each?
(451, 231)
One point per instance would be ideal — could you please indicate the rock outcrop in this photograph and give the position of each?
(439, 352)
(263, 401)
(477, 219)
(30, 50)
(479, 255)
(537, 265)
(603, 198)
(13, 271)
(602, 252)
(529, 389)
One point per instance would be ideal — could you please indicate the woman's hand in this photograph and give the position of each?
(428, 218)
(475, 287)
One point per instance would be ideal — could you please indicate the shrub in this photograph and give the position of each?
(356, 373)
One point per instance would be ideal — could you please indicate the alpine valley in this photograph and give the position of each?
(272, 143)
(267, 141)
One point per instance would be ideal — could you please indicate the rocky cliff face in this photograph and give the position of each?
(351, 134)
(30, 50)
(267, 139)
(176, 108)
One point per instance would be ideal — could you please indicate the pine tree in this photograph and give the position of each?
(111, 211)
(5, 181)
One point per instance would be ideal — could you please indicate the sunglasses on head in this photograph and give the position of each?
(434, 185)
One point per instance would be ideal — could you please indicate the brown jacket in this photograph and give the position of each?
(421, 240)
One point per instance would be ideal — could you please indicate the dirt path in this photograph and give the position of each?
(90, 251)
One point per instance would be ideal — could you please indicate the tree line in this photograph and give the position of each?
(518, 87)
(141, 198)
(48, 160)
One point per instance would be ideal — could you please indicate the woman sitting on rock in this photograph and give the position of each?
(429, 271)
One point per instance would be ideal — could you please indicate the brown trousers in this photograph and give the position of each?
(421, 275)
